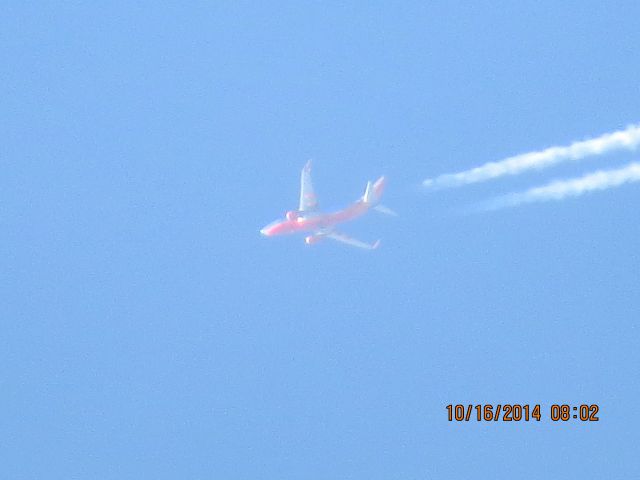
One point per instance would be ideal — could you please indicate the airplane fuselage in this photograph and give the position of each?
(315, 222)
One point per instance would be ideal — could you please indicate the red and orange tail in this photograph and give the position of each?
(373, 193)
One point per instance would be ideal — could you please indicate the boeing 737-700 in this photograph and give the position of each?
(321, 225)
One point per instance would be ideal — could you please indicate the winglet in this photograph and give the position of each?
(375, 245)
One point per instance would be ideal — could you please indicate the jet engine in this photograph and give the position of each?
(292, 215)
(312, 239)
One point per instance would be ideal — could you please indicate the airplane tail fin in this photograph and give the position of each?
(368, 193)
(373, 193)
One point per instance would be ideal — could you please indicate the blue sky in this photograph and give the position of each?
(149, 331)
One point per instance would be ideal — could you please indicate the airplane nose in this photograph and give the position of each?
(269, 230)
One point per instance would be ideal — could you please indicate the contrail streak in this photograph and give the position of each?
(627, 139)
(573, 187)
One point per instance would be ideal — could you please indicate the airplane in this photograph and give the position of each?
(321, 225)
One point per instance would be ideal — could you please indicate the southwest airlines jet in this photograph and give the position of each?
(307, 219)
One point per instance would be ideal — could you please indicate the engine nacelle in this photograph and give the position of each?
(312, 239)
(292, 215)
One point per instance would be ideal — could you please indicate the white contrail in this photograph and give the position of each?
(573, 187)
(627, 139)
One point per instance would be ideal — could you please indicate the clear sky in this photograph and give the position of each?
(149, 331)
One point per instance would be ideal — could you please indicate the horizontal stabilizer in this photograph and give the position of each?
(386, 210)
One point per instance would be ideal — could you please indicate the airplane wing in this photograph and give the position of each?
(308, 199)
(340, 237)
